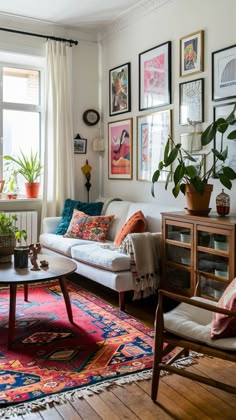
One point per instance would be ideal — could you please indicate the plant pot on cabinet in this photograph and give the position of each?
(32, 189)
(198, 204)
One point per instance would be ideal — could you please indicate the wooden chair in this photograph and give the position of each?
(188, 327)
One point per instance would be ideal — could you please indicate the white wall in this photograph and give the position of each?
(176, 19)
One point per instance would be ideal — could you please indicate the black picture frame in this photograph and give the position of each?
(222, 111)
(223, 73)
(191, 101)
(155, 77)
(120, 89)
(80, 146)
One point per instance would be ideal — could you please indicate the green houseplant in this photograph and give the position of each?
(185, 174)
(9, 235)
(30, 168)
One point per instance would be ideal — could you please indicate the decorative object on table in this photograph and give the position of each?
(34, 250)
(223, 70)
(9, 234)
(191, 54)
(222, 111)
(223, 203)
(44, 264)
(86, 169)
(191, 101)
(58, 362)
(152, 131)
(21, 252)
(30, 168)
(80, 145)
(155, 77)
(189, 178)
(119, 90)
(120, 149)
(91, 117)
(192, 141)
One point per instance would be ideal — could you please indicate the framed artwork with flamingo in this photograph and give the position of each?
(120, 149)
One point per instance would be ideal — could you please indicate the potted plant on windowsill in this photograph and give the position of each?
(188, 178)
(30, 168)
(9, 236)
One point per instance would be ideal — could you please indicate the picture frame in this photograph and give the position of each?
(155, 77)
(80, 146)
(191, 54)
(120, 89)
(222, 111)
(191, 101)
(223, 73)
(200, 162)
(120, 149)
(153, 131)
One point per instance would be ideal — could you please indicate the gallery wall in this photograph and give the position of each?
(147, 29)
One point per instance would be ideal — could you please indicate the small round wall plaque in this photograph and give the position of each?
(91, 117)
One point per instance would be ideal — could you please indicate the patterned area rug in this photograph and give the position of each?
(52, 359)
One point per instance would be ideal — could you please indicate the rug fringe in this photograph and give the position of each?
(43, 403)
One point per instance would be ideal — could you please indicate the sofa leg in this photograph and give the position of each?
(122, 301)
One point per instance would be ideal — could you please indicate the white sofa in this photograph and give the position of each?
(95, 260)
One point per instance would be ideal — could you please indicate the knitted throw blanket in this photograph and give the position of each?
(144, 250)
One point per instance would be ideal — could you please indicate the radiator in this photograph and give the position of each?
(27, 220)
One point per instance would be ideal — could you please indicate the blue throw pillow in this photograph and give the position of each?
(92, 209)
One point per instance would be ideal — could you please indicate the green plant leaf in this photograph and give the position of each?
(229, 172)
(225, 181)
(191, 171)
(208, 135)
(156, 175)
(221, 125)
(166, 151)
(172, 156)
(221, 156)
(175, 190)
(232, 135)
(179, 173)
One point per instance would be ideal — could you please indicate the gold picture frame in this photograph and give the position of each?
(191, 54)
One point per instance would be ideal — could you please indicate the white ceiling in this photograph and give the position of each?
(75, 13)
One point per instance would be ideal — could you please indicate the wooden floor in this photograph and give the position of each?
(178, 398)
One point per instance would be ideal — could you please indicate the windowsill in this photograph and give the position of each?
(18, 199)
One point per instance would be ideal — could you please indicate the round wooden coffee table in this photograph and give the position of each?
(58, 268)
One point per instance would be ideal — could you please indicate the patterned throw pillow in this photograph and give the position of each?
(135, 224)
(92, 209)
(92, 228)
(224, 325)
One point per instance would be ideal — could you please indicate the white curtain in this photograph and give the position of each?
(58, 142)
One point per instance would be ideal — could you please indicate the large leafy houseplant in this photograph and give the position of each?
(184, 173)
(8, 227)
(29, 166)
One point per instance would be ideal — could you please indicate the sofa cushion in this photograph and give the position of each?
(93, 228)
(135, 224)
(60, 244)
(92, 209)
(224, 325)
(105, 256)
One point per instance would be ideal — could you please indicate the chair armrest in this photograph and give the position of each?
(203, 305)
(50, 224)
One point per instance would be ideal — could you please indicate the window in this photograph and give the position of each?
(20, 116)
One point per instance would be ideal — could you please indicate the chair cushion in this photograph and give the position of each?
(92, 209)
(92, 228)
(135, 224)
(194, 324)
(224, 325)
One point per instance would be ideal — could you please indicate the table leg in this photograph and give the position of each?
(12, 313)
(26, 292)
(65, 293)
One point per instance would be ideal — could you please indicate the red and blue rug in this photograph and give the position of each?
(52, 359)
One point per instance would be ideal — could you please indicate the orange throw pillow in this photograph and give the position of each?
(135, 224)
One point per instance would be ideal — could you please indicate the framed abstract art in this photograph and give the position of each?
(191, 53)
(223, 73)
(120, 149)
(155, 77)
(119, 90)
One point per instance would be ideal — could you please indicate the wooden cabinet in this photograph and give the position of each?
(198, 254)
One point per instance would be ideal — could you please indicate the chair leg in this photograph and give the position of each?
(158, 351)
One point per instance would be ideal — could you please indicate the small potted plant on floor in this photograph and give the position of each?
(9, 236)
(189, 178)
(30, 168)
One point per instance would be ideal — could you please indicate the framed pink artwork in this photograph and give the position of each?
(155, 77)
(120, 149)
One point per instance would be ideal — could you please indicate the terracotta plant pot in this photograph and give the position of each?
(198, 204)
(32, 189)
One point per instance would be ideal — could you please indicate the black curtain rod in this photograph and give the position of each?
(55, 38)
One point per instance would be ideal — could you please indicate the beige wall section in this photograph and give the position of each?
(122, 44)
